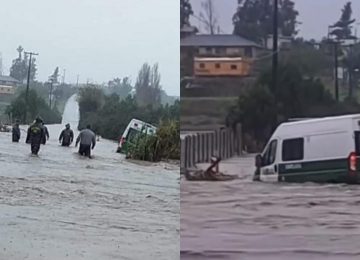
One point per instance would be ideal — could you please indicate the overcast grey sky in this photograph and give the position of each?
(97, 39)
(315, 15)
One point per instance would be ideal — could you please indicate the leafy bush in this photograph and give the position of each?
(36, 107)
(164, 145)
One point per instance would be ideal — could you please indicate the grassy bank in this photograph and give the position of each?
(204, 111)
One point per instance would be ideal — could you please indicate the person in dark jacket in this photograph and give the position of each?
(35, 134)
(16, 132)
(67, 136)
(46, 134)
(87, 139)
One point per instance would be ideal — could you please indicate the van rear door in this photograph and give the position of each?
(357, 142)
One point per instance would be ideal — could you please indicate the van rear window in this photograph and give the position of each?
(357, 142)
(293, 149)
(132, 134)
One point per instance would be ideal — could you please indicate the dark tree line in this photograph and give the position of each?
(253, 19)
(109, 115)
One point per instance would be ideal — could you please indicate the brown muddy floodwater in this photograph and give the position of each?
(246, 220)
(61, 206)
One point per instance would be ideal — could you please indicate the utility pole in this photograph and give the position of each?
(275, 46)
(28, 84)
(51, 90)
(336, 44)
(351, 70)
(1, 64)
(336, 52)
(77, 80)
(63, 79)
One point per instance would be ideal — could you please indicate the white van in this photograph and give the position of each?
(134, 128)
(313, 150)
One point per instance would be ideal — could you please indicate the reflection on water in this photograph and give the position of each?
(61, 206)
(246, 220)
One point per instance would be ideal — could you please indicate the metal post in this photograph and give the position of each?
(336, 71)
(350, 72)
(51, 89)
(27, 86)
(275, 46)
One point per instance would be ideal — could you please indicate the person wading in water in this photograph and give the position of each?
(67, 136)
(87, 139)
(35, 134)
(16, 132)
(46, 134)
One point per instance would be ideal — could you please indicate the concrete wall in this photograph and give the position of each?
(200, 147)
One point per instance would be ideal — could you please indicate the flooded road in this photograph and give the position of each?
(61, 206)
(246, 220)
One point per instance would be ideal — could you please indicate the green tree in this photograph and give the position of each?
(342, 28)
(185, 12)
(253, 19)
(263, 108)
(148, 88)
(312, 61)
(37, 107)
(20, 65)
(120, 87)
(208, 17)
(54, 78)
(90, 99)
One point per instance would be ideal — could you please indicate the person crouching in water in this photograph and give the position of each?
(46, 134)
(35, 134)
(87, 139)
(16, 132)
(67, 136)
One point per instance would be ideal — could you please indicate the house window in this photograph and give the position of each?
(248, 52)
(202, 65)
(208, 49)
(293, 149)
(217, 65)
(270, 154)
(233, 67)
(202, 51)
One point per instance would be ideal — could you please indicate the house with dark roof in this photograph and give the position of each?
(187, 30)
(215, 46)
(228, 45)
(8, 81)
(7, 85)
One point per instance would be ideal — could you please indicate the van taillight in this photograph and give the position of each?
(122, 140)
(352, 162)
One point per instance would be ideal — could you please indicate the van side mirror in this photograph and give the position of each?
(258, 160)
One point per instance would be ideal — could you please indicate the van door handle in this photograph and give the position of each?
(275, 168)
